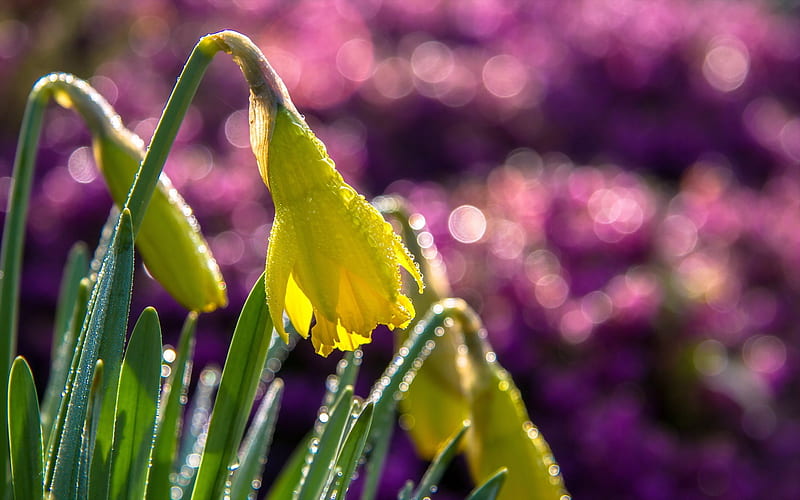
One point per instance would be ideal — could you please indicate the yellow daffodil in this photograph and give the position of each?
(170, 241)
(331, 254)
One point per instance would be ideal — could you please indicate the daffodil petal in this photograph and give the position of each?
(359, 305)
(280, 260)
(349, 341)
(298, 307)
(323, 336)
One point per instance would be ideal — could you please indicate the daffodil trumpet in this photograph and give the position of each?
(332, 256)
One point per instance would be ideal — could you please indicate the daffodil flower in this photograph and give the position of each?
(331, 254)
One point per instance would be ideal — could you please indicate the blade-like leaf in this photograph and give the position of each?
(287, 483)
(407, 491)
(435, 471)
(61, 357)
(351, 453)
(70, 294)
(104, 328)
(194, 438)
(137, 401)
(491, 487)
(90, 431)
(74, 271)
(60, 400)
(396, 379)
(24, 432)
(171, 413)
(289, 480)
(322, 452)
(240, 378)
(253, 455)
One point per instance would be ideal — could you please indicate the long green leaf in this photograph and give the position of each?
(171, 413)
(90, 431)
(59, 399)
(75, 270)
(193, 439)
(253, 455)
(105, 327)
(351, 453)
(435, 471)
(491, 487)
(395, 379)
(137, 401)
(24, 431)
(407, 491)
(73, 295)
(289, 480)
(240, 378)
(322, 453)
(286, 485)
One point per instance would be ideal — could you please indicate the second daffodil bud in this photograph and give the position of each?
(331, 254)
(172, 247)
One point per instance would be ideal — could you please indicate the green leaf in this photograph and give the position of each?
(322, 452)
(351, 452)
(90, 431)
(253, 455)
(406, 492)
(237, 389)
(435, 471)
(347, 369)
(287, 483)
(137, 401)
(73, 296)
(491, 487)
(58, 392)
(171, 413)
(194, 438)
(68, 294)
(102, 335)
(24, 431)
(392, 384)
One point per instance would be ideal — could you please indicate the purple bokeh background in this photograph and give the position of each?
(612, 184)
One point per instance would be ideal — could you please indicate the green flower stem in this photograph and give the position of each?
(11, 254)
(263, 82)
(167, 129)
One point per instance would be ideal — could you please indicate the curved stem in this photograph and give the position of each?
(12, 249)
(167, 129)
